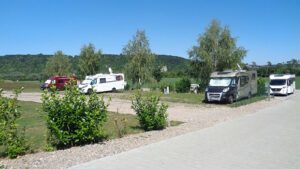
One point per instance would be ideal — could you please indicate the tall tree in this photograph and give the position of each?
(140, 59)
(216, 50)
(89, 60)
(59, 64)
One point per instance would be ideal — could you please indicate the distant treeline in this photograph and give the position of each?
(32, 67)
(291, 67)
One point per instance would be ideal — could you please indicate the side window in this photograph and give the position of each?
(53, 81)
(119, 78)
(60, 81)
(102, 80)
(253, 76)
(233, 82)
(94, 82)
(244, 80)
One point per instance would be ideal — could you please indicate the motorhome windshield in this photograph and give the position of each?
(277, 82)
(86, 82)
(48, 81)
(219, 82)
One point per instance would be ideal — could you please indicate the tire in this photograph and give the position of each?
(114, 90)
(90, 91)
(230, 99)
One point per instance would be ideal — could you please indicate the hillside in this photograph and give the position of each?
(31, 67)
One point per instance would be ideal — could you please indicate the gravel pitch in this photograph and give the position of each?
(196, 117)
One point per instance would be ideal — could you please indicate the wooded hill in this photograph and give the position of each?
(32, 67)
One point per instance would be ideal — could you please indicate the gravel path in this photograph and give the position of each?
(195, 116)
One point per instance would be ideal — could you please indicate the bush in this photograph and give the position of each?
(183, 86)
(11, 140)
(74, 119)
(261, 86)
(151, 114)
(127, 87)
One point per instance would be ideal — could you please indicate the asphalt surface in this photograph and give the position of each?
(268, 139)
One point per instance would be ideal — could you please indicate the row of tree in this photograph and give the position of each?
(216, 50)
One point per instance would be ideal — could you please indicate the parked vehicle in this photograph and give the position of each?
(230, 86)
(282, 84)
(102, 83)
(58, 81)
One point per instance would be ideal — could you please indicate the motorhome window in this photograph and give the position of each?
(102, 80)
(290, 82)
(219, 81)
(60, 81)
(53, 81)
(119, 78)
(86, 82)
(233, 82)
(94, 82)
(277, 82)
(253, 76)
(244, 80)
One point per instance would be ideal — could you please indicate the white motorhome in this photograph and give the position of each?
(282, 84)
(103, 83)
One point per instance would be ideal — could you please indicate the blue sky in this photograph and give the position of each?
(268, 29)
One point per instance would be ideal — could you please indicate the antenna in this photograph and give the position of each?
(238, 65)
(110, 70)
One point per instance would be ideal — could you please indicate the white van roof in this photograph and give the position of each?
(282, 76)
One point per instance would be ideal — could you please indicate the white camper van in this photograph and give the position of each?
(102, 83)
(282, 84)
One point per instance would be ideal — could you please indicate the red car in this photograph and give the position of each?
(58, 81)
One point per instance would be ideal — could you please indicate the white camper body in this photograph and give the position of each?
(103, 83)
(282, 84)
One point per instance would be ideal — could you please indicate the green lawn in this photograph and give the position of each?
(190, 98)
(33, 119)
(298, 82)
(247, 101)
(29, 86)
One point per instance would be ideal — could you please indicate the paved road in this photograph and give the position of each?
(268, 139)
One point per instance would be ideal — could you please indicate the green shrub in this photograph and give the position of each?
(151, 114)
(127, 87)
(183, 86)
(74, 119)
(11, 139)
(261, 86)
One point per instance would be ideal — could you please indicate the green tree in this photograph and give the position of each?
(216, 50)
(140, 59)
(59, 64)
(89, 60)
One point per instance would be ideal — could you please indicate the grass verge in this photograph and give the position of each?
(247, 101)
(34, 121)
(29, 86)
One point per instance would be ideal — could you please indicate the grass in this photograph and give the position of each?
(34, 121)
(247, 101)
(298, 82)
(29, 86)
(190, 98)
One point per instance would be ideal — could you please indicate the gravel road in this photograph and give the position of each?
(195, 117)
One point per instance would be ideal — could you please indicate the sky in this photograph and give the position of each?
(268, 29)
